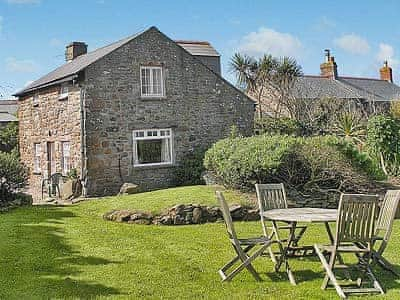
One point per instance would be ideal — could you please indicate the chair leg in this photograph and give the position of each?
(246, 263)
(385, 264)
(235, 259)
(329, 272)
(376, 283)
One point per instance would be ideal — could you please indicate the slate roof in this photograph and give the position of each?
(313, 87)
(69, 70)
(8, 110)
(198, 48)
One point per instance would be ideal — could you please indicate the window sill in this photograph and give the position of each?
(153, 97)
(63, 97)
(154, 166)
(37, 173)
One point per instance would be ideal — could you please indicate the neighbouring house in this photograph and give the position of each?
(369, 93)
(127, 112)
(8, 112)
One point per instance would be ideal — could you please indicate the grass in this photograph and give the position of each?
(71, 252)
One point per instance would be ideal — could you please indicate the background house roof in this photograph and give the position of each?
(313, 87)
(8, 110)
(198, 48)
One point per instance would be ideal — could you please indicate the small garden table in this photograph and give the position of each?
(294, 216)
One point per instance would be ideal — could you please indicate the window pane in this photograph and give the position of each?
(149, 151)
(156, 81)
(145, 81)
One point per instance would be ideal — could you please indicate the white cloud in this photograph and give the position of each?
(267, 40)
(352, 43)
(24, 1)
(386, 52)
(21, 66)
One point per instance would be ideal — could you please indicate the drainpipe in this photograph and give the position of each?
(83, 143)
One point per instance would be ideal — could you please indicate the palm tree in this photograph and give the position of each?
(267, 73)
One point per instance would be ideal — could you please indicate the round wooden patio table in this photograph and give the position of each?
(294, 216)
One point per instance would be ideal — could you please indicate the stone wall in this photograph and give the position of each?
(199, 106)
(52, 120)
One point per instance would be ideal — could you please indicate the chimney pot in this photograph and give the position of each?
(329, 67)
(75, 49)
(386, 72)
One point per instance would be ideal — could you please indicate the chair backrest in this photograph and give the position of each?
(227, 216)
(387, 214)
(271, 196)
(356, 218)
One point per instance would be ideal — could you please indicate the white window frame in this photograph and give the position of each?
(151, 79)
(155, 135)
(35, 99)
(64, 92)
(64, 166)
(37, 151)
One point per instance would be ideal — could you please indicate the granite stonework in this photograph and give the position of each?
(50, 120)
(199, 106)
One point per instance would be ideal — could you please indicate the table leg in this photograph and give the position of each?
(284, 250)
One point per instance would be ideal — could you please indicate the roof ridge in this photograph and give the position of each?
(359, 88)
(192, 42)
(361, 78)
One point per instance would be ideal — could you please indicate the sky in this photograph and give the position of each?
(360, 34)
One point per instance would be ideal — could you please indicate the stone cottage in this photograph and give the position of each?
(127, 112)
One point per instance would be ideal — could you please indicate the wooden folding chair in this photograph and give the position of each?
(355, 230)
(241, 246)
(384, 228)
(273, 196)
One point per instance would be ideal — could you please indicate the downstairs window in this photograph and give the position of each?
(152, 147)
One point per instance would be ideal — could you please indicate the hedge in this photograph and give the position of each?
(322, 162)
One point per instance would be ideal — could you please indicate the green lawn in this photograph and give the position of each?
(71, 252)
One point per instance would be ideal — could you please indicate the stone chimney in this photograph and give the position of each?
(74, 50)
(329, 67)
(386, 72)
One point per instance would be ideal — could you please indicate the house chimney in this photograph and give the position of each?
(329, 67)
(74, 50)
(386, 72)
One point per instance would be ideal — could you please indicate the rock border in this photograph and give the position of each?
(182, 214)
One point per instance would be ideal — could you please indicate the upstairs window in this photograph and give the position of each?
(65, 157)
(63, 92)
(37, 150)
(152, 147)
(152, 81)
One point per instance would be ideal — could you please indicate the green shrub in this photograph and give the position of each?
(190, 169)
(321, 162)
(282, 126)
(9, 137)
(383, 142)
(13, 175)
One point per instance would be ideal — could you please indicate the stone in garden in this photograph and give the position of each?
(197, 214)
(128, 189)
(66, 190)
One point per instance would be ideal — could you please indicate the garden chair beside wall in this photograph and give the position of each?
(355, 229)
(242, 247)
